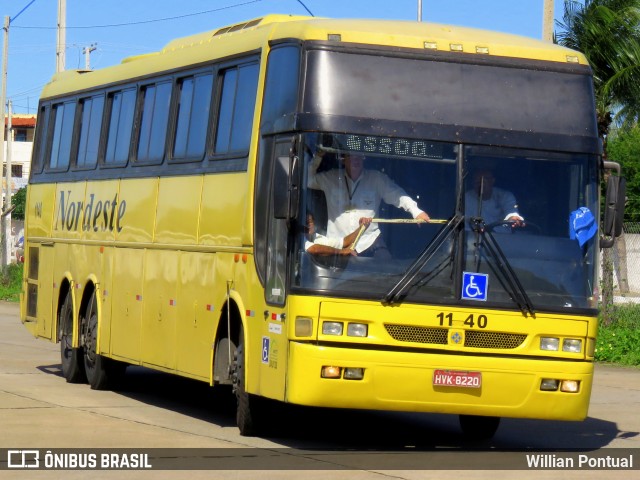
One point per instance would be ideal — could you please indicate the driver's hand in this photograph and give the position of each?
(423, 216)
(517, 221)
(366, 221)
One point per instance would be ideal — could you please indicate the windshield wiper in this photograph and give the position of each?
(511, 281)
(396, 291)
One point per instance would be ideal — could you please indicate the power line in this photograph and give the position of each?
(21, 11)
(141, 22)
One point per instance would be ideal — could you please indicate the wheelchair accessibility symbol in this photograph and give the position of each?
(475, 286)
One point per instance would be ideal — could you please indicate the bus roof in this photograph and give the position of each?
(253, 34)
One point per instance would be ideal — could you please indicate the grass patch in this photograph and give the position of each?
(620, 342)
(11, 282)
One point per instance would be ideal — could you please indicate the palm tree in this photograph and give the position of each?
(608, 33)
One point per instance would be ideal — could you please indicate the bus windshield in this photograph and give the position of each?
(520, 222)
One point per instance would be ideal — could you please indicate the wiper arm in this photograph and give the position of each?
(515, 288)
(392, 296)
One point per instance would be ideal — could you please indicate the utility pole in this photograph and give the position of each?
(419, 10)
(3, 96)
(62, 35)
(6, 210)
(87, 55)
(547, 21)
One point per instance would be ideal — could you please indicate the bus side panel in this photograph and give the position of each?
(224, 208)
(199, 308)
(177, 212)
(40, 208)
(158, 333)
(105, 292)
(39, 253)
(46, 313)
(136, 224)
(138, 219)
(127, 310)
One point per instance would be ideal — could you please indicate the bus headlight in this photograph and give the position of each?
(332, 328)
(570, 386)
(357, 330)
(572, 345)
(549, 343)
(304, 327)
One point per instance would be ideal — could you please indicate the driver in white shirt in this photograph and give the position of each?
(354, 193)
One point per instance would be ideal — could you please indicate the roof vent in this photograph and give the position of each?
(239, 26)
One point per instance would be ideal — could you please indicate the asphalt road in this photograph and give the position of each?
(151, 410)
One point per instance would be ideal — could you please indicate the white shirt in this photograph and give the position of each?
(348, 200)
(500, 206)
(319, 239)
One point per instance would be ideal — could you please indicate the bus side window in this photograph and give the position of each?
(194, 106)
(42, 130)
(237, 104)
(156, 100)
(91, 110)
(63, 116)
(121, 108)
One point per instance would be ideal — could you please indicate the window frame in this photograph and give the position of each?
(222, 68)
(78, 128)
(51, 134)
(138, 119)
(109, 98)
(173, 121)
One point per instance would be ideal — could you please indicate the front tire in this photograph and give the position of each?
(71, 358)
(248, 415)
(102, 372)
(479, 428)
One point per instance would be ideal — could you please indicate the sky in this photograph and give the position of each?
(121, 28)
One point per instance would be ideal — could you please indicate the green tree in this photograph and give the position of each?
(624, 148)
(19, 200)
(608, 33)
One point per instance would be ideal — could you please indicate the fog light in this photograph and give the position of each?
(549, 384)
(570, 386)
(572, 345)
(353, 373)
(332, 328)
(357, 330)
(331, 372)
(304, 327)
(549, 343)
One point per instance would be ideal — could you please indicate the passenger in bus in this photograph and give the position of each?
(318, 244)
(497, 205)
(354, 193)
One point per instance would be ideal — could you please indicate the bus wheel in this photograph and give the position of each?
(247, 410)
(479, 428)
(101, 372)
(70, 358)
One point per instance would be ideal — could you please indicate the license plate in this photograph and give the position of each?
(455, 378)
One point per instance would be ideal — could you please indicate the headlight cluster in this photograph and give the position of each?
(337, 329)
(552, 344)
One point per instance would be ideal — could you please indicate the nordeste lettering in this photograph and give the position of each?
(97, 215)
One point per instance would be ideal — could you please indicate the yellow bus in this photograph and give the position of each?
(188, 211)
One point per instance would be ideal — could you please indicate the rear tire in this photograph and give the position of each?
(477, 428)
(102, 372)
(71, 358)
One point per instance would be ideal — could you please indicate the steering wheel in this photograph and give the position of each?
(526, 227)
